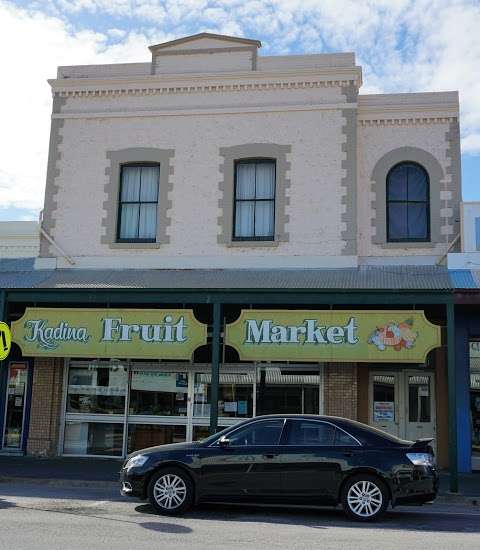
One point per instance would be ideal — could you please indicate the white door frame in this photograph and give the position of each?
(401, 398)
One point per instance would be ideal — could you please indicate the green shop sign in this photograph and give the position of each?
(122, 333)
(333, 335)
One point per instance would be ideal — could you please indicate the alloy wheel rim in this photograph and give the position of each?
(170, 491)
(364, 498)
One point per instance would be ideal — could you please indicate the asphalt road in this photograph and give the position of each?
(36, 516)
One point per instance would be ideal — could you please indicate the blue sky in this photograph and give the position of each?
(402, 45)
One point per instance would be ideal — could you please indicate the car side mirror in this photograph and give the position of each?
(224, 442)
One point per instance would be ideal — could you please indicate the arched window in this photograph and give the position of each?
(408, 204)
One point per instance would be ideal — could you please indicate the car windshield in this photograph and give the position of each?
(211, 438)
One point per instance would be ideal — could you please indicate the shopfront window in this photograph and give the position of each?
(97, 389)
(93, 438)
(15, 405)
(112, 409)
(158, 393)
(235, 395)
(475, 402)
(283, 390)
(141, 436)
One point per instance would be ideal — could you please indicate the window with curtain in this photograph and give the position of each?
(254, 208)
(137, 220)
(408, 204)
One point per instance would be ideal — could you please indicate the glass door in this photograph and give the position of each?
(384, 402)
(15, 406)
(402, 403)
(419, 417)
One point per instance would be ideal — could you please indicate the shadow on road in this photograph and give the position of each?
(6, 504)
(326, 518)
(166, 527)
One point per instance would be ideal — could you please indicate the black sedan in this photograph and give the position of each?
(281, 459)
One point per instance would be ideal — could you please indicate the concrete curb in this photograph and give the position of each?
(60, 482)
(451, 498)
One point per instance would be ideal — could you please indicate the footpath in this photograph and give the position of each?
(103, 472)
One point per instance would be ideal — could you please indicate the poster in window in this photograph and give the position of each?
(383, 411)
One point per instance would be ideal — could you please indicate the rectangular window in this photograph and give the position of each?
(97, 389)
(137, 219)
(477, 233)
(93, 438)
(254, 208)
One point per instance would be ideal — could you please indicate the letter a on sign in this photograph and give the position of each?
(5, 341)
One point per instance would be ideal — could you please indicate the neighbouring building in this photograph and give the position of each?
(19, 239)
(231, 234)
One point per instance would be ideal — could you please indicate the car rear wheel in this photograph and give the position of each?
(170, 491)
(364, 498)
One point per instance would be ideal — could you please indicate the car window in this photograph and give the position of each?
(305, 432)
(342, 438)
(258, 433)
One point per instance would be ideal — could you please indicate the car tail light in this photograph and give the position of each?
(420, 459)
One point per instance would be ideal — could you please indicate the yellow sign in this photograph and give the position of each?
(121, 333)
(5, 340)
(333, 336)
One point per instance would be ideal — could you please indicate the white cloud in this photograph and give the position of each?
(402, 45)
(32, 46)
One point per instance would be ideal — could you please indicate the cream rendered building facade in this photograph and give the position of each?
(203, 102)
(196, 115)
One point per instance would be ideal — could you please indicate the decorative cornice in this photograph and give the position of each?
(407, 120)
(205, 83)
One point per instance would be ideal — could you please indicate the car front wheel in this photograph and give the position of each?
(170, 491)
(364, 498)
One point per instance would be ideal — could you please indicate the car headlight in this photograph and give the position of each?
(136, 461)
(420, 459)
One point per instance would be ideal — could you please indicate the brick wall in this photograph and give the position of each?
(340, 383)
(46, 407)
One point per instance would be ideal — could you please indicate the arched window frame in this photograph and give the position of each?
(388, 201)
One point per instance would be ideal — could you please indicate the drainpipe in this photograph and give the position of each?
(3, 372)
(57, 246)
(450, 246)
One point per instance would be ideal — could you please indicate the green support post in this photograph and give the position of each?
(3, 375)
(215, 375)
(452, 400)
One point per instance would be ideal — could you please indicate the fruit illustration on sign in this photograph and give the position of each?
(396, 335)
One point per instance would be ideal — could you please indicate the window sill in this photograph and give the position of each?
(413, 244)
(139, 246)
(254, 244)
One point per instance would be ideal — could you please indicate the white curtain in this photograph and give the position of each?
(130, 183)
(139, 187)
(255, 218)
(244, 218)
(264, 216)
(245, 181)
(265, 180)
(149, 188)
(129, 221)
(147, 225)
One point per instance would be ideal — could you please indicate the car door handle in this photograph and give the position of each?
(348, 454)
(269, 455)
